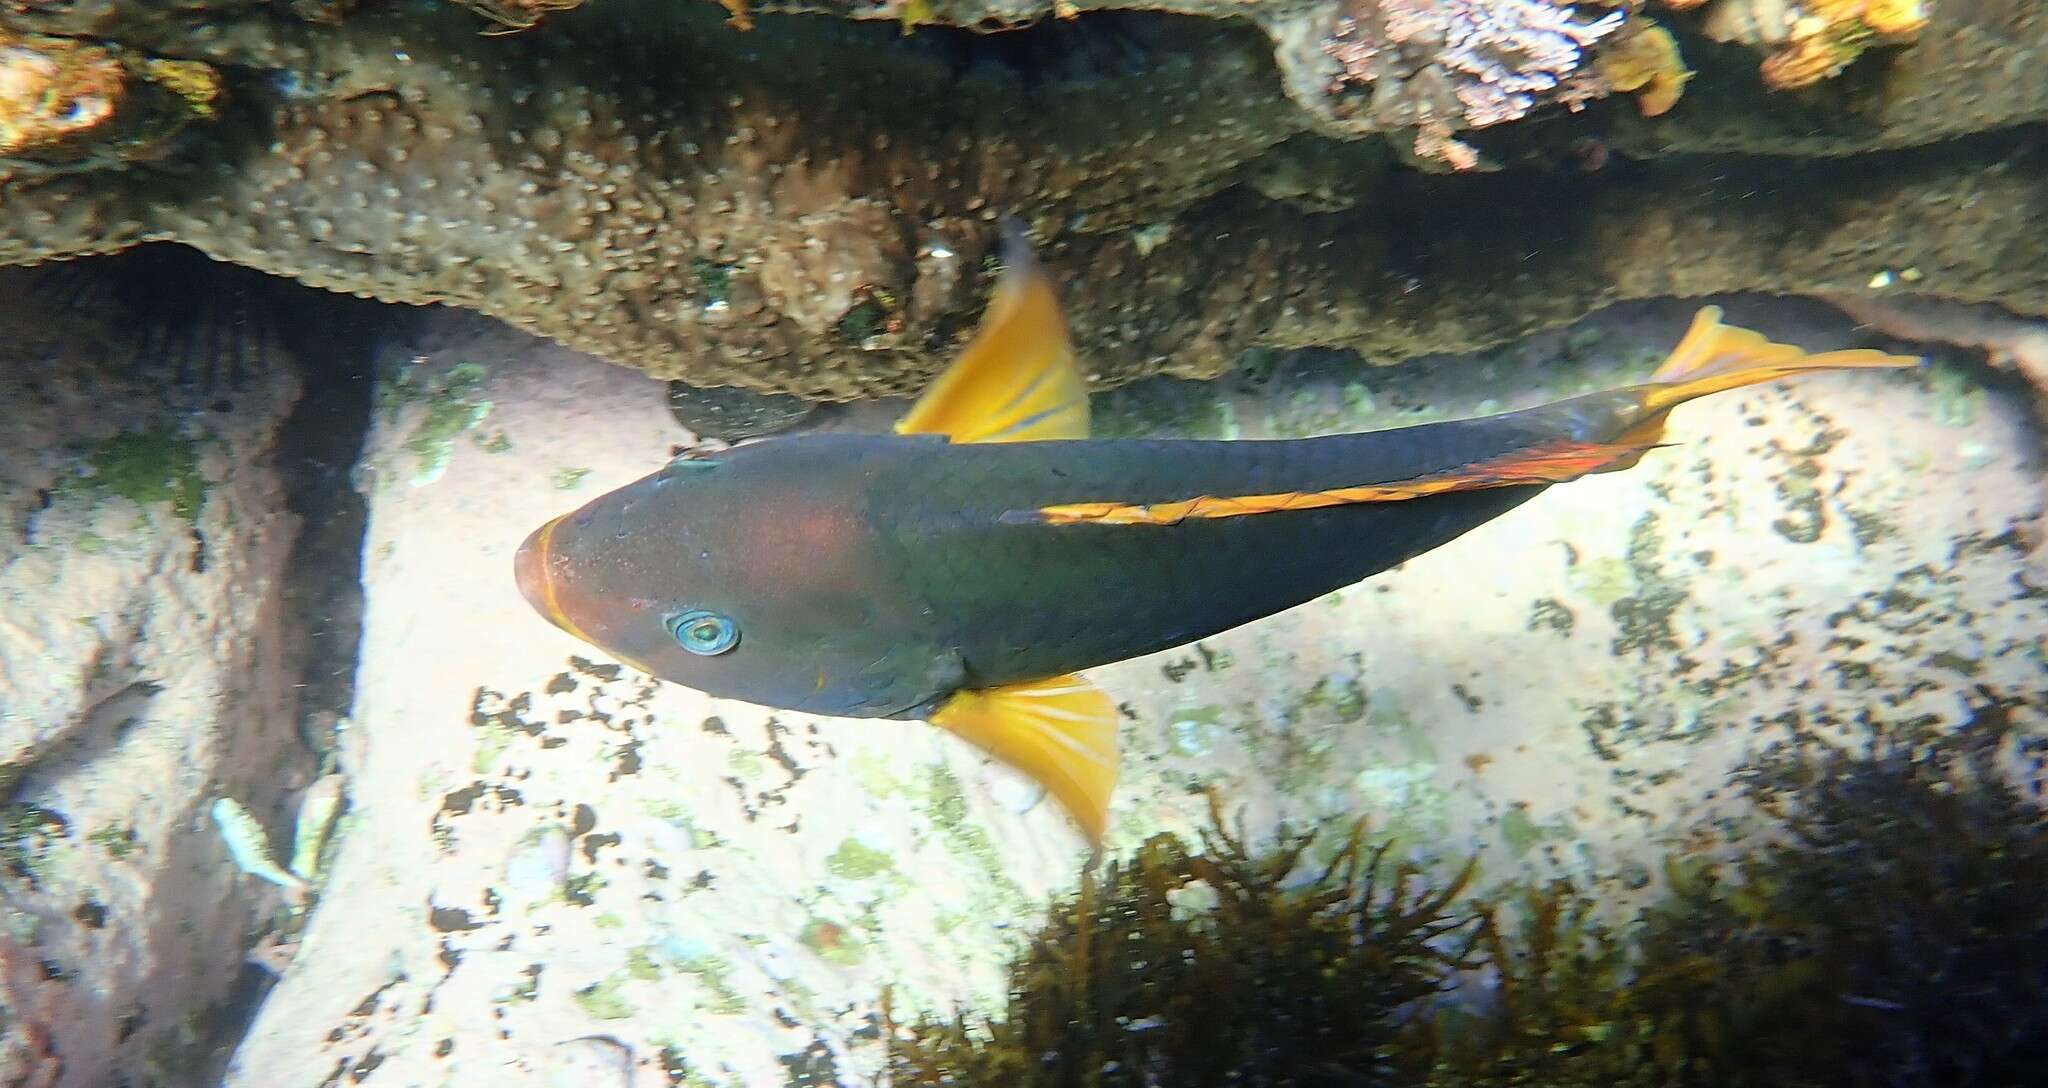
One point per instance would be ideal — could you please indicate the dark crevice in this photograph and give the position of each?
(317, 448)
(205, 339)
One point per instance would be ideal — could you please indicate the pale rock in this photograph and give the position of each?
(1595, 661)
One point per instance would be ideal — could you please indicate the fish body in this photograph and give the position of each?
(965, 576)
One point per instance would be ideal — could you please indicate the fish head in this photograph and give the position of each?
(749, 575)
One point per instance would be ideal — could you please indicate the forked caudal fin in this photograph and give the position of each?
(1710, 358)
(1061, 732)
(1713, 357)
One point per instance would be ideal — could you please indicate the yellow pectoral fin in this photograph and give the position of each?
(1061, 732)
(1017, 381)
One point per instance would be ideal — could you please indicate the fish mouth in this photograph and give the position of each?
(530, 568)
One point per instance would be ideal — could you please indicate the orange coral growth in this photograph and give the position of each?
(1895, 19)
(1647, 62)
(1832, 33)
(55, 92)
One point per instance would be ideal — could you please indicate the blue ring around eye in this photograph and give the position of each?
(703, 632)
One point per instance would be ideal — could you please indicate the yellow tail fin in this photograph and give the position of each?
(1061, 732)
(1713, 357)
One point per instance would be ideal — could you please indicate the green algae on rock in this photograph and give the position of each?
(1266, 975)
(1885, 932)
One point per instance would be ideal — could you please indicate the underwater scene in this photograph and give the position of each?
(1072, 544)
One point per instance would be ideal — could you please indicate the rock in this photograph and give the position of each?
(741, 885)
(594, 1061)
(730, 415)
(539, 870)
(806, 208)
(145, 664)
(2008, 339)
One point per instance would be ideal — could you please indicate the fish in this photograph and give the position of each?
(965, 569)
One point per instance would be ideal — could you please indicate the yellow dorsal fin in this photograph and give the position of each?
(1061, 732)
(1017, 380)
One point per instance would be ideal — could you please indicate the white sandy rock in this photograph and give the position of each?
(142, 674)
(1563, 690)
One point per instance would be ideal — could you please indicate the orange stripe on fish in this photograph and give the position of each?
(1545, 463)
(550, 603)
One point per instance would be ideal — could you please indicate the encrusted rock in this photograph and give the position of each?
(808, 207)
(553, 847)
(144, 670)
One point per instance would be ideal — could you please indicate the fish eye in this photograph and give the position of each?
(703, 632)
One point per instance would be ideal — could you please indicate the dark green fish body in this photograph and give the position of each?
(964, 571)
(1019, 601)
(909, 567)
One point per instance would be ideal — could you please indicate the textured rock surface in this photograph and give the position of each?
(806, 207)
(559, 867)
(2007, 339)
(144, 671)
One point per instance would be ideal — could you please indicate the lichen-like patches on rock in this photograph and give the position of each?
(478, 796)
(812, 1067)
(451, 403)
(1643, 618)
(603, 1001)
(946, 807)
(1612, 728)
(27, 833)
(1551, 614)
(147, 468)
(758, 788)
(1207, 659)
(853, 859)
(834, 943)
(1930, 628)
(359, 1026)
(1806, 514)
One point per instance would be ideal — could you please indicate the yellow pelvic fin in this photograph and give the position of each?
(1713, 357)
(1017, 380)
(1061, 732)
(1546, 463)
